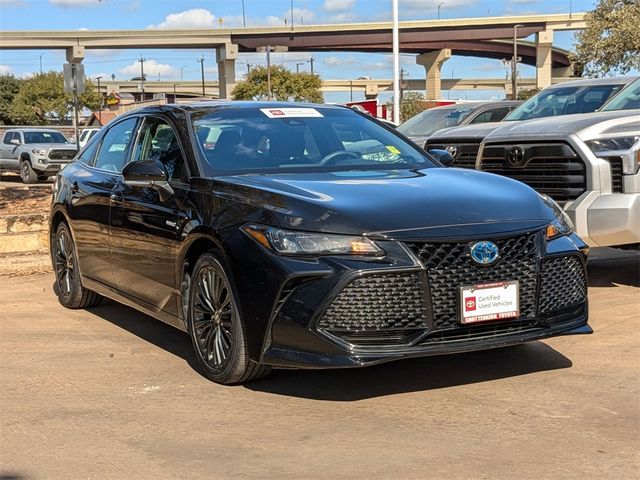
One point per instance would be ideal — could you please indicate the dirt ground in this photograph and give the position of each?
(110, 394)
(17, 198)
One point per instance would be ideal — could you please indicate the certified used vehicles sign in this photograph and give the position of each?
(291, 112)
(489, 301)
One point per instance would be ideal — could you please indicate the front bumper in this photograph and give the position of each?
(606, 219)
(334, 312)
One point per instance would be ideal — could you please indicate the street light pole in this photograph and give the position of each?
(298, 67)
(41, 62)
(142, 75)
(439, 5)
(201, 61)
(269, 94)
(514, 64)
(311, 60)
(291, 14)
(396, 63)
(182, 72)
(244, 18)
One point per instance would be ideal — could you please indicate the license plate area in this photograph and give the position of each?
(488, 302)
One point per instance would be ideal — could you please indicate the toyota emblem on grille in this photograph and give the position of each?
(485, 252)
(515, 157)
(452, 149)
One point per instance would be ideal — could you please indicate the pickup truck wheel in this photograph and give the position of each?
(43, 178)
(71, 293)
(26, 172)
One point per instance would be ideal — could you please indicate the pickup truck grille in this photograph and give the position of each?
(62, 154)
(615, 163)
(554, 169)
(466, 151)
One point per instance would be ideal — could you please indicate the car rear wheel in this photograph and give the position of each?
(215, 326)
(69, 289)
(26, 172)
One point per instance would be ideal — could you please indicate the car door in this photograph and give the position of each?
(146, 230)
(8, 156)
(93, 178)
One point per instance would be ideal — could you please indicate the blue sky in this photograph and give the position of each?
(182, 14)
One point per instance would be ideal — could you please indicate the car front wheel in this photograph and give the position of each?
(215, 327)
(26, 172)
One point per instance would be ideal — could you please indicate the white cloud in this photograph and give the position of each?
(300, 15)
(151, 70)
(12, 3)
(5, 70)
(194, 18)
(338, 5)
(74, 3)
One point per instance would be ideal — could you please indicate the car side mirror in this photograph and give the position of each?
(148, 173)
(442, 156)
(15, 141)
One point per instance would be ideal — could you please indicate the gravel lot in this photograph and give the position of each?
(110, 393)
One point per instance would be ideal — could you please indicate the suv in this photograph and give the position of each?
(580, 96)
(36, 153)
(588, 163)
(424, 124)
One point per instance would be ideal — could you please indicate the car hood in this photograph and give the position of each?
(56, 146)
(470, 132)
(398, 204)
(556, 127)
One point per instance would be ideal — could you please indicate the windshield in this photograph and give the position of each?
(246, 140)
(44, 137)
(551, 102)
(627, 99)
(432, 120)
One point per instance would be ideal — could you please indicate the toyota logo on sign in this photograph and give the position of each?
(515, 157)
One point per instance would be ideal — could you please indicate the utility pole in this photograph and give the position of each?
(41, 62)
(514, 64)
(402, 72)
(311, 60)
(439, 5)
(269, 94)
(351, 90)
(174, 93)
(291, 14)
(142, 60)
(244, 18)
(201, 61)
(248, 69)
(298, 67)
(396, 62)
(101, 100)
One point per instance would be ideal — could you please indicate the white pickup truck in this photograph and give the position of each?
(36, 154)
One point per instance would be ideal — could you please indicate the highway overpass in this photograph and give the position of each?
(433, 41)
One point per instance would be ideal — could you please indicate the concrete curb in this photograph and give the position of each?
(24, 233)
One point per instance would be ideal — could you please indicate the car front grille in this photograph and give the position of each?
(466, 153)
(615, 164)
(62, 154)
(554, 169)
(420, 308)
(450, 267)
(390, 301)
(564, 284)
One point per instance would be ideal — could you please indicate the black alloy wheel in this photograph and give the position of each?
(69, 289)
(215, 327)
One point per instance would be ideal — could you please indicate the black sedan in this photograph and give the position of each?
(308, 236)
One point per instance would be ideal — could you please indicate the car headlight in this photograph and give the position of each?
(627, 148)
(561, 225)
(288, 242)
(39, 151)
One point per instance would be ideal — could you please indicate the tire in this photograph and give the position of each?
(26, 172)
(71, 293)
(43, 178)
(215, 327)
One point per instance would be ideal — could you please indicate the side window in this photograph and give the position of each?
(482, 118)
(87, 154)
(7, 138)
(158, 141)
(115, 146)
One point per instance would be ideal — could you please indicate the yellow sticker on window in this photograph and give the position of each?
(393, 149)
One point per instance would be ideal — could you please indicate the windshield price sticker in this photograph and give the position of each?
(291, 112)
(489, 301)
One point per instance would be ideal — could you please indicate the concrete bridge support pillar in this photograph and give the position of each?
(371, 91)
(432, 63)
(544, 43)
(226, 57)
(75, 54)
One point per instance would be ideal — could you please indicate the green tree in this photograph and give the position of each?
(527, 93)
(41, 100)
(9, 87)
(285, 85)
(610, 44)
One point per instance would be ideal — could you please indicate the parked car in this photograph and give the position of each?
(86, 135)
(424, 124)
(36, 154)
(285, 246)
(579, 96)
(587, 163)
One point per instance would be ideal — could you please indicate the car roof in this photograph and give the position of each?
(478, 105)
(33, 130)
(235, 104)
(596, 81)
